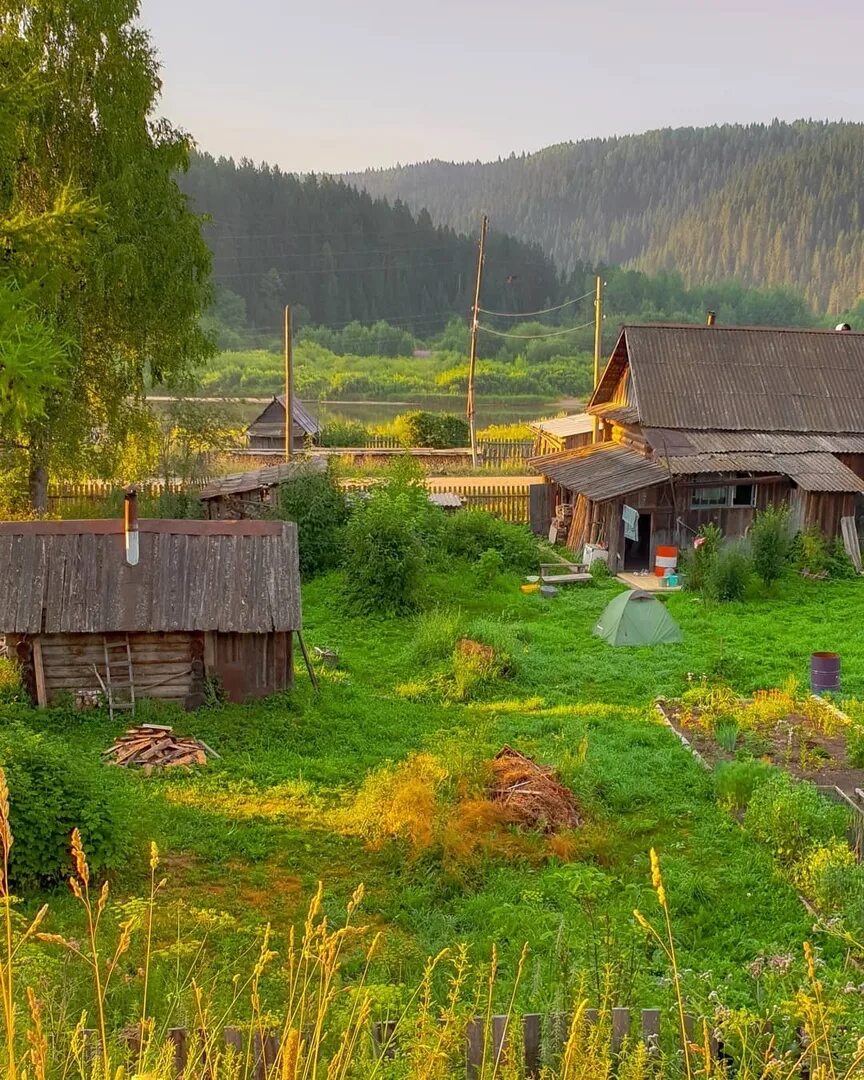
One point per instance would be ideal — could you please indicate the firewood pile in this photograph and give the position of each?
(155, 746)
(531, 793)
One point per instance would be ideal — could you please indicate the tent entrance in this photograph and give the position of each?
(637, 553)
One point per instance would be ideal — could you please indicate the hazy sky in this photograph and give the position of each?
(332, 85)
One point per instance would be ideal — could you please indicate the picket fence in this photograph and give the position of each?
(512, 502)
(493, 451)
(526, 1042)
(103, 489)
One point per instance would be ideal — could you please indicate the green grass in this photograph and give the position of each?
(249, 835)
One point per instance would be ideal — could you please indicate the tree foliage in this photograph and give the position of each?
(116, 275)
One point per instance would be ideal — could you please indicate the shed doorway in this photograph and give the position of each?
(637, 553)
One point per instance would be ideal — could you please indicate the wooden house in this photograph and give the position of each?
(267, 430)
(204, 600)
(709, 424)
(250, 494)
(562, 433)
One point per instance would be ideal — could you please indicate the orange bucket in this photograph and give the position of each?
(665, 560)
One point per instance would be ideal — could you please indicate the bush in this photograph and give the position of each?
(384, 559)
(839, 563)
(812, 550)
(735, 782)
(467, 534)
(729, 576)
(52, 791)
(344, 433)
(317, 504)
(435, 431)
(822, 873)
(770, 543)
(490, 566)
(791, 817)
(700, 561)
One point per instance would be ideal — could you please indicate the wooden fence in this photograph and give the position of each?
(525, 1043)
(512, 502)
(493, 451)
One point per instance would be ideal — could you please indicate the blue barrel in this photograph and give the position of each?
(824, 672)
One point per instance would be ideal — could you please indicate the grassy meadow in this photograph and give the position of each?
(374, 780)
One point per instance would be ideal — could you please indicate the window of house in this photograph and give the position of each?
(713, 498)
(707, 498)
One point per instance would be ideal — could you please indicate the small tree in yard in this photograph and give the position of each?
(317, 504)
(770, 543)
(384, 559)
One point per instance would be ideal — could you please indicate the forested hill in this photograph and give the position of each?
(341, 255)
(777, 204)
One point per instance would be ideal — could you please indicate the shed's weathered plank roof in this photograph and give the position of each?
(271, 420)
(601, 472)
(562, 426)
(740, 378)
(268, 476)
(72, 577)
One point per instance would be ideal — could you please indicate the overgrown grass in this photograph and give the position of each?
(247, 840)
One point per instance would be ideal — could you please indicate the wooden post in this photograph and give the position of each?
(289, 387)
(598, 347)
(472, 355)
(39, 674)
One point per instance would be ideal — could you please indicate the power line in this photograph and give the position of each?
(543, 311)
(535, 337)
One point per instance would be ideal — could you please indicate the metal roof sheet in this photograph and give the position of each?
(72, 577)
(562, 426)
(268, 476)
(810, 471)
(742, 378)
(601, 472)
(671, 442)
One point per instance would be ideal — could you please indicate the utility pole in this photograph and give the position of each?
(289, 387)
(598, 346)
(472, 356)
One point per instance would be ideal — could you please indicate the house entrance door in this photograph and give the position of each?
(637, 553)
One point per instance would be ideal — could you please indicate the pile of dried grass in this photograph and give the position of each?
(532, 793)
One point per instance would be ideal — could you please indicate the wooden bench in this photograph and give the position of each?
(567, 573)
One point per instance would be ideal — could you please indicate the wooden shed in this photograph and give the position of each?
(250, 494)
(562, 433)
(267, 430)
(207, 601)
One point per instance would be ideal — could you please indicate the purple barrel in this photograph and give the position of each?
(824, 672)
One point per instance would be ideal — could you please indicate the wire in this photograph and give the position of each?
(535, 337)
(543, 311)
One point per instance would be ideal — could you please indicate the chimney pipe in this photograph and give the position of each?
(130, 525)
(712, 318)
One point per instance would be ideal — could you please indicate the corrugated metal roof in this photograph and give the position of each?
(810, 471)
(742, 378)
(601, 472)
(72, 577)
(447, 500)
(266, 477)
(616, 410)
(671, 442)
(562, 426)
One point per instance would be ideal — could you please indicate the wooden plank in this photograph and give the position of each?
(39, 673)
(620, 1028)
(500, 1041)
(851, 541)
(476, 1044)
(531, 1041)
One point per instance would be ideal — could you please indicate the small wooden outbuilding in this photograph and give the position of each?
(267, 430)
(207, 600)
(250, 494)
(562, 433)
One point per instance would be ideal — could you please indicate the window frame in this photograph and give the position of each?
(729, 502)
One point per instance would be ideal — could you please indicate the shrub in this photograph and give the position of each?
(469, 533)
(344, 433)
(790, 816)
(838, 562)
(317, 504)
(699, 562)
(730, 574)
(490, 566)
(52, 791)
(735, 782)
(821, 873)
(435, 431)
(384, 561)
(812, 550)
(770, 543)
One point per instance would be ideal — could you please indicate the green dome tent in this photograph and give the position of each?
(637, 618)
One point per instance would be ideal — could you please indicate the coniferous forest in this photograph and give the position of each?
(779, 204)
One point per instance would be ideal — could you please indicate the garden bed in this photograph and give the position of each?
(806, 736)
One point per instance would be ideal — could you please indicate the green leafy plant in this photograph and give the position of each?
(384, 559)
(53, 790)
(489, 566)
(790, 817)
(855, 746)
(469, 533)
(770, 543)
(317, 504)
(726, 734)
(813, 551)
(437, 431)
(729, 576)
(435, 632)
(700, 560)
